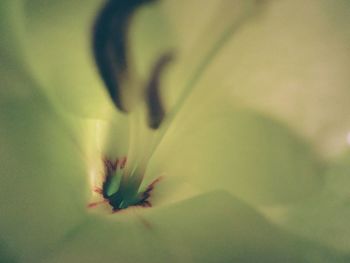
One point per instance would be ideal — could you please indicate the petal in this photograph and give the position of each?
(213, 227)
(11, 29)
(58, 43)
(272, 66)
(291, 61)
(326, 217)
(13, 58)
(251, 155)
(199, 39)
(45, 161)
(43, 182)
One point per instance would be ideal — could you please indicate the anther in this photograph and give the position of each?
(156, 111)
(109, 44)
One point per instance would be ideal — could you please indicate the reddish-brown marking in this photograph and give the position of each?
(110, 166)
(97, 190)
(145, 202)
(150, 187)
(146, 223)
(123, 162)
(92, 205)
(113, 166)
(116, 164)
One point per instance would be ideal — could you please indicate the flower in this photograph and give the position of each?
(254, 162)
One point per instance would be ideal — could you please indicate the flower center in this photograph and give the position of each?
(121, 191)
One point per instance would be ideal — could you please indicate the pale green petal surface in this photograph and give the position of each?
(291, 61)
(251, 155)
(43, 183)
(324, 218)
(222, 229)
(58, 42)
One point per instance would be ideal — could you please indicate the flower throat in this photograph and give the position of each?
(122, 177)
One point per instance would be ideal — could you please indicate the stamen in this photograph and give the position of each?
(156, 109)
(109, 44)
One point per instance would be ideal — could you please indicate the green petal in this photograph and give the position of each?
(198, 44)
(326, 217)
(45, 164)
(213, 227)
(291, 62)
(43, 182)
(11, 30)
(249, 154)
(13, 58)
(272, 65)
(58, 42)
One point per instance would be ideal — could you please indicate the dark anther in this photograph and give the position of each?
(155, 107)
(109, 44)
